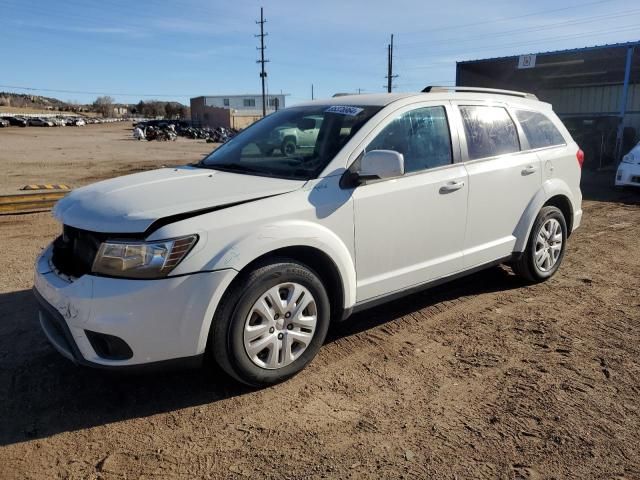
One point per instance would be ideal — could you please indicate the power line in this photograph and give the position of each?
(529, 42)
(580, 21)
(262, 61)
(505, 19)
(81, 92)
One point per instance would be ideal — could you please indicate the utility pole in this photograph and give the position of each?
(262, 61)
(390, 76)
(312, 92)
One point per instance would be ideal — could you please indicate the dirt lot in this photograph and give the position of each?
(481, 378)
(80, 155)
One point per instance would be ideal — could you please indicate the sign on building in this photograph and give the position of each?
(526, 61)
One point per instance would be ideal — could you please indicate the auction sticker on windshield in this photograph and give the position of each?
(344, 110)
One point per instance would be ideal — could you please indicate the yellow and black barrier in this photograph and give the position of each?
(29, 202)
(47, 186)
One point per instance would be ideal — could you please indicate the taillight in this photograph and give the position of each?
(580, 157)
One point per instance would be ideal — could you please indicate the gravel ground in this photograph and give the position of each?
(80, 155)
(481, 378)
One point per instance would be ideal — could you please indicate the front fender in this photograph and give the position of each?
(239, 253)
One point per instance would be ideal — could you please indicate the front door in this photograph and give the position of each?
(410, 230)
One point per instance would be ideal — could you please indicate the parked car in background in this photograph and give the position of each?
(291, 138)
(15, 121)
(40, 122)
(248, 257)
(628, 173)
(4, 123)
(79, 122)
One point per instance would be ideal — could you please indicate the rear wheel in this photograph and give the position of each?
(271, 324)
(545, 248)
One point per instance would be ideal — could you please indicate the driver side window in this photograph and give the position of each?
(421, 135)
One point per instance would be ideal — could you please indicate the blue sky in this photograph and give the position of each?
(181, 48)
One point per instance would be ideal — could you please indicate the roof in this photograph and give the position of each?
(555, 52)
(371, 99)
(237, 95)
(446, 93)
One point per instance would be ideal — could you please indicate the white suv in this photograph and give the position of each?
(249, 257)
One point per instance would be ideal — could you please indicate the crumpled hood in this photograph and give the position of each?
(130, 204)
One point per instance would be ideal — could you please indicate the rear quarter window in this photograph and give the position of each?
(490, 131)
(539, 129)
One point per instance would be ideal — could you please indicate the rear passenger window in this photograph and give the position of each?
(421, 135)
(539, 130)
(489, 131)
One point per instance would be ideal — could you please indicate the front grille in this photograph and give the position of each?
(75, 250)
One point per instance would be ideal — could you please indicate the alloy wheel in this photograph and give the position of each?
(548, 245)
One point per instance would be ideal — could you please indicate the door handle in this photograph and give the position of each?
(529, 169)
(451, 187)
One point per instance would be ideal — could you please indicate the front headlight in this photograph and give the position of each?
(628, 158)
(141, 259)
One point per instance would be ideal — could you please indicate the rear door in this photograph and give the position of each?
(503, 179)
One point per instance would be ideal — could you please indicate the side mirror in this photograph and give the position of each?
(379, 164)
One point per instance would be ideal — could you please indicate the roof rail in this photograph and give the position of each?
(431, 89)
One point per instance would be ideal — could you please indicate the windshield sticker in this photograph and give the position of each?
(344, 110)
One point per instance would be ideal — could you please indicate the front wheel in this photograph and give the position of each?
(288, 147)
(545, 248)
(271, 324)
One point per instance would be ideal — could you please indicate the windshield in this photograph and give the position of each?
(295, 143)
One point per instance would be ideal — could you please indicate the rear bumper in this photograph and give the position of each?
(577, 219)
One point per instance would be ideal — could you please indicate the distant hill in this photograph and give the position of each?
(22, 100)
(25, 103)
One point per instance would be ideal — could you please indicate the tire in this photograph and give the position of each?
(237, 320)
(288, 147)
(549, 222)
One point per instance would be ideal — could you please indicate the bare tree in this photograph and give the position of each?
(104, 105)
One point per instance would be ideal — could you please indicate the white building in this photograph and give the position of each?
(246, 103)
(237, 111)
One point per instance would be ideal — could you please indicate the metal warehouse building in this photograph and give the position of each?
(594, 90)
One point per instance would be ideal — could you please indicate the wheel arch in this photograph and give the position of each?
(290, 136)
(563, 203)
(554, 193)
(318, 261)
(306, 242)
(341, 290)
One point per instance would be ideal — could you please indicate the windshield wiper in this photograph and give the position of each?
(231, 167)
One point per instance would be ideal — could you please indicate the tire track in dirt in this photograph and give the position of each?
(481, 378)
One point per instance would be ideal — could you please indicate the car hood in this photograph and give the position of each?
(130, 204)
